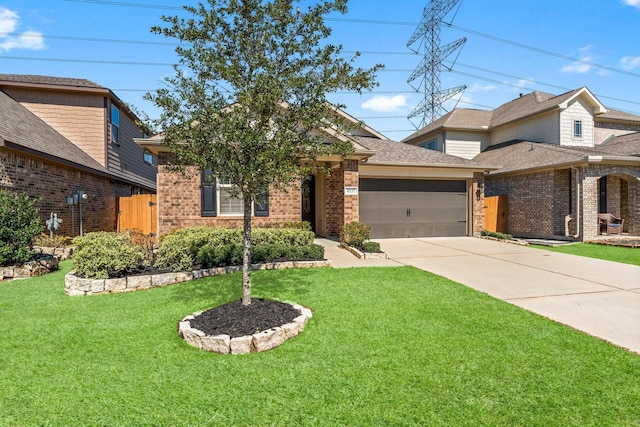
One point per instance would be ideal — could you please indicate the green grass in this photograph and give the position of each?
(386, 347)
(606, 252)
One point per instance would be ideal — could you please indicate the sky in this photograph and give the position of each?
(512, 47)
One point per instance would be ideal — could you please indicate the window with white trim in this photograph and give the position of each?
(217, 198)
(430, 145)
(577, 128)
(115, 124)
(148, 157)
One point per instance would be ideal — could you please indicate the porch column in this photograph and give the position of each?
(589, 207)
(633, 221)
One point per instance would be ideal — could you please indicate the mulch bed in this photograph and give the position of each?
(630, 242)
(237, 320)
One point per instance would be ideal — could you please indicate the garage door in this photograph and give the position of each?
(413, 208)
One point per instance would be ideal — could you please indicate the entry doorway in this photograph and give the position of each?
(309, 201)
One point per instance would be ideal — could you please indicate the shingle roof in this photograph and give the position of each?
(618, 115)
(22, 128)
(624, 145)
(459, 118)
(518, 155)
(48, 80)
(397, 153)
(526, 105)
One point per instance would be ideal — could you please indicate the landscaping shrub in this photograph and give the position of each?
(19, 224)
(102, 255)
(371, 247)
(496, 235)
(57, 241)
(355, 234)
(282, 236)
(182, 249)
(222, 255)
(299, 225)
(178, 250)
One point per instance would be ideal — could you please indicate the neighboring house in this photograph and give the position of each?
(59, 136)
(399, 190)
(562, 160)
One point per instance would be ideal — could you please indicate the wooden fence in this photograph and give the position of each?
(138, 213)
(495, 214)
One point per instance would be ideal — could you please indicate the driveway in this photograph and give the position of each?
(601, 298)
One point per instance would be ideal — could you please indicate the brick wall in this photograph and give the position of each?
(340, 208)
(53, 183)
(477, 205)
(179, 204)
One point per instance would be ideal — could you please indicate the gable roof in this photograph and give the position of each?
(48, 81)
(399, 154)
(517, 109)
(524, 156)
(624, 145)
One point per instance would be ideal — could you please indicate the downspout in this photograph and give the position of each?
(577, 201)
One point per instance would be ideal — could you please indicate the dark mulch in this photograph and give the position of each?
(237, 320)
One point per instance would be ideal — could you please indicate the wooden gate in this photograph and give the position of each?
(138, 213)
(495, 214)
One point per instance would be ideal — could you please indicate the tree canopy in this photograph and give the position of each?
(249, 89)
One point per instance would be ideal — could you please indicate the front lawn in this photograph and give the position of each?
(386, 346)
(606, 252)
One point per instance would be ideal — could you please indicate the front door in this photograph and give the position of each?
(309, 201)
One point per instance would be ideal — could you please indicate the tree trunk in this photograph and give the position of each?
(246, 252)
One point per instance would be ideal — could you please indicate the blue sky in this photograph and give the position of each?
(512, 47)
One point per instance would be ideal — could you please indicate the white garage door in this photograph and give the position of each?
(413, 208)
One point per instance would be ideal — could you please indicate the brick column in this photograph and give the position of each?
(477, 211)
(634, 207)
(589, 207)
(341, 208)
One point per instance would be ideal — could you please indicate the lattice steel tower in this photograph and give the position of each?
(428, 33)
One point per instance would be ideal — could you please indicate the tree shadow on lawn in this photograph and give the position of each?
(273, 284)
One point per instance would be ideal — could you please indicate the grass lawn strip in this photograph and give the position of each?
(609, 253)
(386, 346)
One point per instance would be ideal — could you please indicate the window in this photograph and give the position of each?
(148, 158)
(217, 198)
(115, 124)
(577, 128)
(431, 145)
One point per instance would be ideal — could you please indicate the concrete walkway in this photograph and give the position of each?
(601, 298)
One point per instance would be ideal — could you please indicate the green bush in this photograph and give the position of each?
(19, 224)
(282, 236)
(57, 241)
(355, 234)
(299, 225)
(371, 247)
(102, 255)
(223, 255)
(496, 235)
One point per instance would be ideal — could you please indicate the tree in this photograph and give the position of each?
(249, 88)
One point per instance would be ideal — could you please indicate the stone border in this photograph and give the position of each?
(364, 255)
(76, 286)
(260, 341)
(513, 241)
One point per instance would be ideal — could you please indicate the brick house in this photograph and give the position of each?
(399, 190)
(560, 160)
(61, 135)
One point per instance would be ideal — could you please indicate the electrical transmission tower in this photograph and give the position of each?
(428, 33)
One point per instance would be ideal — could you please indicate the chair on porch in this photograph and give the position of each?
(610, 224)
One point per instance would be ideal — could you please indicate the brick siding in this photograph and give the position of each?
(340, 208)
(477, 205)
(53, 183)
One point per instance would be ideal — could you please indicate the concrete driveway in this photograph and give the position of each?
(601, 298)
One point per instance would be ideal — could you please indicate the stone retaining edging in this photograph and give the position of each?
(260, 341)
(75, 286)
(364, 255)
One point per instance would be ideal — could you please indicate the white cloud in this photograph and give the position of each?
(582, 66)
(630, 62)
(477, 87)
(519, 84)
(634, 3)
(30, 40)
(385, 103)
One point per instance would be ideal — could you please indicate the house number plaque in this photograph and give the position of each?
(350, 191)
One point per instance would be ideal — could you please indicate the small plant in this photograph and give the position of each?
(299, 225)
(20, 223)
(57, 241)
(371, 247)
(103, 255)
(355, 234)
(494, 234)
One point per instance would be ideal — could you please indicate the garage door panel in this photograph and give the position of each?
(435, 209)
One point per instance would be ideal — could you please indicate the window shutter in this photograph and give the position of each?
(261, 204)
(208, 193)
